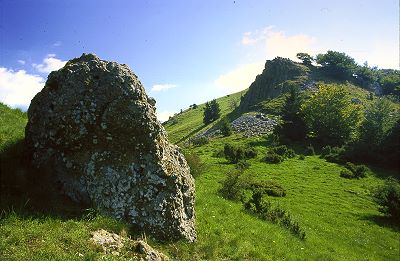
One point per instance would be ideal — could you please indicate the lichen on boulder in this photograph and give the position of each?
(94, 130)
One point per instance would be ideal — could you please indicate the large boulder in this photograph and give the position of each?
(94, 130)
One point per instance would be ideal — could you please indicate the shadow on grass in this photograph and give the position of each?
(28, 191)
(383, 221)
(190, 134)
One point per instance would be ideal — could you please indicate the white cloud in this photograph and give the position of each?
(56, 44)
(164, 115)
(49, 64)
(239, 78)
(267, 43)
(262, 44)
(162, 87)
(17, 88)
(279, 44)
(272, 43)
(21, 62)
(259, 35)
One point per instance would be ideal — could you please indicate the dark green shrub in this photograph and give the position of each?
(226, 128)
(290, 153)
(268, 187)
(211, 112)
(388, 196)
(196, 165)
(199, 141)
(234, 154)
(232, 185)
(272, 157)
(337, 155)
(359, 171)
(250, 152)
(264, 209)
(283, 151)
(242, 165)
(325, 151)
(219, 154)
(309, 150)
(302, 157)
(280, 150)
(345, 173)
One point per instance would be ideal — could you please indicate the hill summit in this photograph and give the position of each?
(277, 77)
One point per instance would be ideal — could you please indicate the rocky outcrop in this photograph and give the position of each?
(125, 248)
(94, 130)
(278, 76)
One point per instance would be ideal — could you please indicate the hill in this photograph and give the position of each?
(278, 76)
(281, 200)
(339, 216)
(186, 124)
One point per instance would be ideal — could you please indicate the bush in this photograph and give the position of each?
(226, 128)
(250, 153)
(196, 165)
(268, 187)
(272, 157)
(242, 165)
(264, 209)
(345, 173)
(290, 153)
(353, 171)
(278, 154)
(336, 154)
(211, 112)
(388, 196)
(199, 141)
(359, 171)
(302, 157)
(234, 154)
(309, 150)
(325, 151)
(232, 186)
(280, 150)
(219, 154)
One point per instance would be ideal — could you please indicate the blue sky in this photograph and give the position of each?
(186, 52)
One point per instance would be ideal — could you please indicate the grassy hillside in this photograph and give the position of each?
(189, 122)
(12, 125)
(339, 216)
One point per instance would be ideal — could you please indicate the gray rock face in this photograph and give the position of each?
(278, 76)
(94, 129)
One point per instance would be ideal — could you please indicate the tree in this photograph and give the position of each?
(226, 128)
(365, 76)
(379, 118)
(388, 196)
(337, 65)
(390, 82)
(306, 58)
(330, 115)
(211, 112)
(379, 135)
(293, 126)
